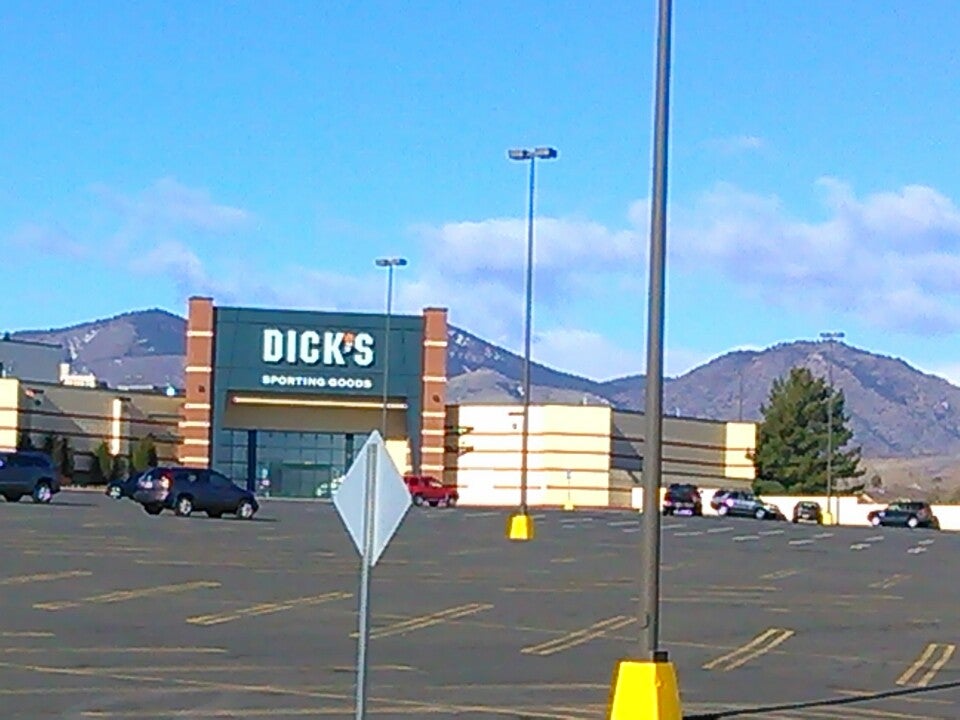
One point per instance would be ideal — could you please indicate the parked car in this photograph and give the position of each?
(746, 504)
(28, 472)
(717, 499)
(425, 489)
(186, 489)
(122, 487)
(682, 499)
(808, 511)
(911, 514)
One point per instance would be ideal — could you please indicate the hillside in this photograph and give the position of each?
(896, 411)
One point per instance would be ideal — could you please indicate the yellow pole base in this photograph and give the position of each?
(828, 518)
(568, 505)
(520, 527)
(645, 690)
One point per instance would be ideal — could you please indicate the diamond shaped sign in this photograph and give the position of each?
(390, 498)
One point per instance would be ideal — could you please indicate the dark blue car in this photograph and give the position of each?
(186, 489)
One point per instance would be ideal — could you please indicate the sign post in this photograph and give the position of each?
(372, 501)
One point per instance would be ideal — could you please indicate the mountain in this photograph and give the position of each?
(896, 411)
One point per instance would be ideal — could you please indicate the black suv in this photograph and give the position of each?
(682, 499)
(911, 514)
(27, 472)
(185, 489)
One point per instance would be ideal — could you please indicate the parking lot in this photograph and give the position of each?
(110, 613)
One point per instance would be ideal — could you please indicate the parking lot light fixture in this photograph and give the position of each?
(830, 337)
(646, 686)
(389, 263)
(520, 526)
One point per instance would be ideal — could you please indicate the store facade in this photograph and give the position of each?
(282, 400)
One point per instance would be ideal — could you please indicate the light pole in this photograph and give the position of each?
(389, 263)
(647, 687)
(830, 337)
(521, 525)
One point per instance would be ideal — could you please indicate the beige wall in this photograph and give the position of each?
(694, 450)
(85, 416)
(324, 420)
(484, 459)
(9, 412)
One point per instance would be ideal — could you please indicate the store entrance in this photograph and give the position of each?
(290, 464)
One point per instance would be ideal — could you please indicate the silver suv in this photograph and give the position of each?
(744, 503)
(28, 473)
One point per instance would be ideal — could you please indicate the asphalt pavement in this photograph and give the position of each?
(106, 612)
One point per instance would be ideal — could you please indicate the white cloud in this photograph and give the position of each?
(892, 259)
(170, 204)
(42, 239)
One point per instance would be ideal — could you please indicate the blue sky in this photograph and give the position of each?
(266, 153)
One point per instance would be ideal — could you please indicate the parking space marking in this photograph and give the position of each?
(425, 621)
(801, 542)
(744, 538)
(691, 533)
(926, 542)
(889, 582)
(266, 609)
(823, 535)
(673, 526)
(874, 538)
(779, 575)
(124, 595)
(771, 532)
(578, 637)
(27, 634)
(760, 645)
(625, 523)
(936, 663)
(44, 577)
(720, 530)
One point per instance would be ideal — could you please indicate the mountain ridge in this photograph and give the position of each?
(895, 409)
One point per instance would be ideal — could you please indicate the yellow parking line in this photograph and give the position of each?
(946, 652)
(578, 637)
(779, 575)
(889, 582)
(760, 645)
(124, 595)
(27, 634)
(266, 608)
(44, 577)
(425, 621)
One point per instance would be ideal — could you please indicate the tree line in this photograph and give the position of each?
(104, 466)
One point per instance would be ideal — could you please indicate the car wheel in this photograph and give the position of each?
(723, 510)
(245, 510)
(152, 509)
(42, 493)
(12, 497)
(184, 506)
(875, 521)
(912, 522)
(451, 502)
(114, 492)
(418, 500)
(760, 514)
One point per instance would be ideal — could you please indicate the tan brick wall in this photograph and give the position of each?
(434, 399)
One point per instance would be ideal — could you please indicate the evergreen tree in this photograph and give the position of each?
(144, 454)
(793, 435)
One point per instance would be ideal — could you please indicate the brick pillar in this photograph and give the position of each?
(196, 414)
(434, 392)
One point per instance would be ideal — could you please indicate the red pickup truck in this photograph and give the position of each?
(428, 490)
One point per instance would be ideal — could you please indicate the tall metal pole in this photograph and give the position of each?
(369, 517)
(528, 320)
(830, 337)
(386, 353)
(653, 442)
(830, 431)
